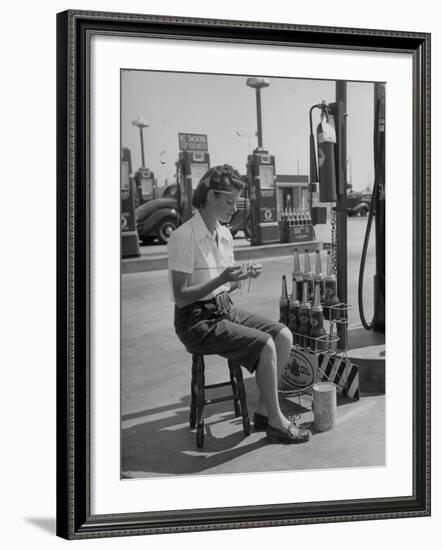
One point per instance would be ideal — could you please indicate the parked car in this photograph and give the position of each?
(156, 219)
(358, 203)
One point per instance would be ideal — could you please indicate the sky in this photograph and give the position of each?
(221, 106)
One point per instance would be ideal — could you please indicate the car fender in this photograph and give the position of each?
(148, 227)
(360, 206)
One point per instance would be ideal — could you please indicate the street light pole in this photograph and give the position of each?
(258, 115)
(257, 84)
(141, 124)
(143, 161)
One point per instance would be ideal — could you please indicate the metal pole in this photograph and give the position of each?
(258, 114)
(142, 148)
(341, 202)
(379, 190)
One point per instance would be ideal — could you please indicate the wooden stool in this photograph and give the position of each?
(198, 400)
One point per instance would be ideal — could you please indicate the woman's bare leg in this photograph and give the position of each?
(283, 343)
(267, 382)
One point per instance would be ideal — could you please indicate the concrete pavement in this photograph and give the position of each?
(156, 439)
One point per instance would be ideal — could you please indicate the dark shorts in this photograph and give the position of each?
(237, 334)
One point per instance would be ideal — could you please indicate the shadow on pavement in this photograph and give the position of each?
(167, 445)
(164, 444)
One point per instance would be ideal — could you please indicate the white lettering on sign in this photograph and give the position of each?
(192, 142)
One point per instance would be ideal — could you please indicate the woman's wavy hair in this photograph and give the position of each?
(218, 178)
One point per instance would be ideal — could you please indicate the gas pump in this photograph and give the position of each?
(130, 245)
(331, 137)
(262, 192)
(191, 166)
(146, 185)
(377, 210)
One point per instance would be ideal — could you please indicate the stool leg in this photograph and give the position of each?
(234, 388)
(192, 416)
(200, 382)
(242, 400)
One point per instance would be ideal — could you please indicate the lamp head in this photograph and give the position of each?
(257, 82)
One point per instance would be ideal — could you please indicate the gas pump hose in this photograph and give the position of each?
(367, 326)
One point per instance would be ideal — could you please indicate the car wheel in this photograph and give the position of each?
(165, 229)
(233, 233)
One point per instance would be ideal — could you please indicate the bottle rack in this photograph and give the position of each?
(336, 319)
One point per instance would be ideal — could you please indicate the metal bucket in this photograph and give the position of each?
(324, 406)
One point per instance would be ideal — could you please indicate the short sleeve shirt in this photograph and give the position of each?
(193, 249)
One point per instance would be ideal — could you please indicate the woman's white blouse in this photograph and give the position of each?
(193, 249)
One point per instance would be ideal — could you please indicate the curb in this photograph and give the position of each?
(137, 265)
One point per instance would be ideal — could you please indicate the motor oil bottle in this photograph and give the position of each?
(284, 303)
(304, 318)
(331, 290)
(293, 312)
(317, 322)
(297, 276)
(308, 276)
(318, 276)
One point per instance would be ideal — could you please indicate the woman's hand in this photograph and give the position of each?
(255, 270)
(237, 273)
(232, 273)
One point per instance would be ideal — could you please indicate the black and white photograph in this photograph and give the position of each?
(252, 274)
(221, 271)
(243, 275)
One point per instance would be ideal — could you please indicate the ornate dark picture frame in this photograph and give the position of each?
(74, 32)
